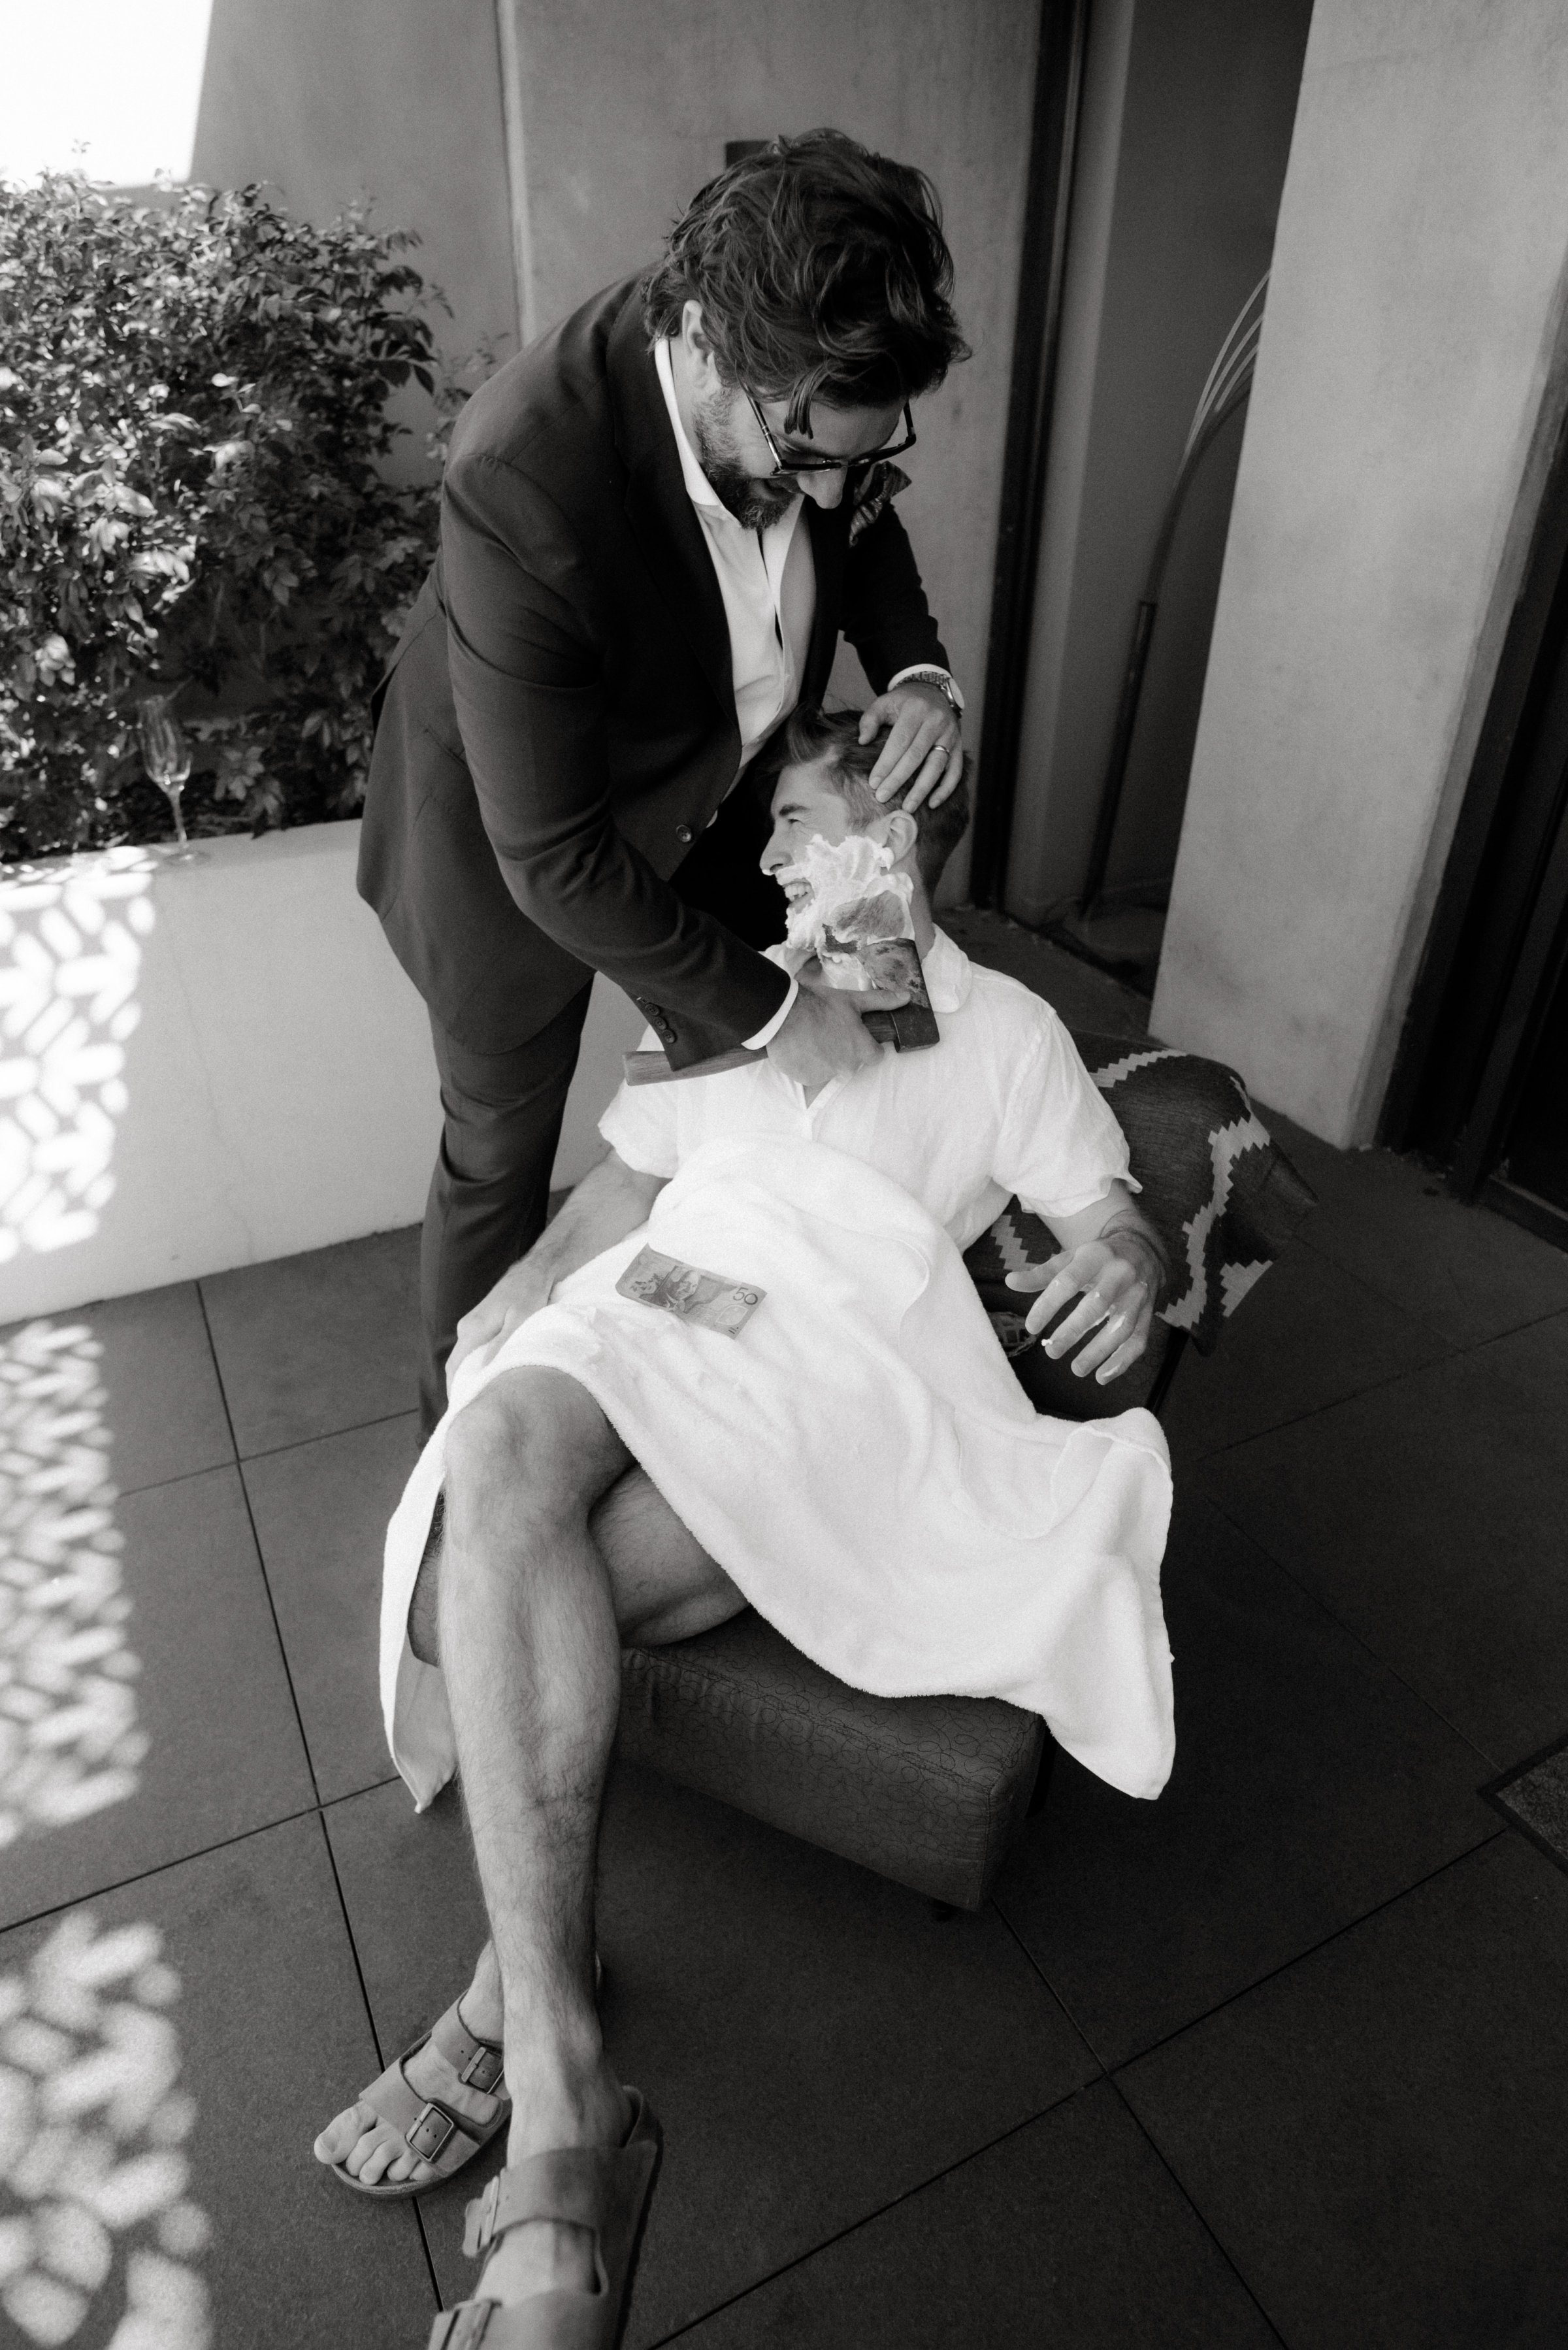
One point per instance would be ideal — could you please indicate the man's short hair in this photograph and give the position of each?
(813, 735)
(823, 273)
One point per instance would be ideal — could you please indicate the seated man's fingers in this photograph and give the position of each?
(1050, 1302)
(1089, 1313)
(1117, 1292)
(1037, 1276)
(1111, 1334)
(1066, 1275)
(1130, 1351)
(1121, 1339)
(1062, 1277)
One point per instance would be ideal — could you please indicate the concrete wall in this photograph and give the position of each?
(340, 102)
(214, 1064)
(1185, 127)
(1410, 380)
(623, 110)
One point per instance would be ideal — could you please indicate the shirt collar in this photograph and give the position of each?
(949, 974)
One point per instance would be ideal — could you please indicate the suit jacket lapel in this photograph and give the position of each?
(657, 506)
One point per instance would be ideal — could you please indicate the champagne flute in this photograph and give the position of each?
(166, 756)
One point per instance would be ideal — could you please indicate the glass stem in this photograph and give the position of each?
(175, 796)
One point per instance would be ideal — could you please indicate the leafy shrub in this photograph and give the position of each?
(193, 425)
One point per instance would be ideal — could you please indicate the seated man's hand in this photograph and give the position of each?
(1116, 1279)
(520, 1292)
(824, 1035)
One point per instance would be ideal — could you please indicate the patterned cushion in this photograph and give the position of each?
(1223, 1197)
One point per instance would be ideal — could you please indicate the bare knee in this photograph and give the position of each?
(528, 1453)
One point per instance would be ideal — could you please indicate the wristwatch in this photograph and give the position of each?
(930, 674)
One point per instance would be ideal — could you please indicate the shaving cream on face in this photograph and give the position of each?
(853, 899)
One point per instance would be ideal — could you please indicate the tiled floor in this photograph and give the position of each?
(1282, 2057)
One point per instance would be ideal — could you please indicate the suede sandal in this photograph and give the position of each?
(606, 2189)
(437, 2128)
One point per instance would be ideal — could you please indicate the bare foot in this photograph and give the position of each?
(372, 2150)
(550, 2255)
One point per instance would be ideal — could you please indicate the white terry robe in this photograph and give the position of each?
(860, 1460)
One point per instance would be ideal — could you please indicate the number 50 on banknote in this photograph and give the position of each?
(689, 1292)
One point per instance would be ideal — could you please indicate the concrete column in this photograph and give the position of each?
(1409, 386)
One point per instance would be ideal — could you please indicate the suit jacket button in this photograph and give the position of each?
(684, 832)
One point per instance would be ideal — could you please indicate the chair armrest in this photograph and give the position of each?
(1219, 1191)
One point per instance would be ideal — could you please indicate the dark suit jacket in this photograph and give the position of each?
(558, 723)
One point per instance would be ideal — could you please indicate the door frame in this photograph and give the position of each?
(1499, 937)
(1036, 337)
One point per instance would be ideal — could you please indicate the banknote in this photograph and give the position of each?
(708, 1298)
(856, 953)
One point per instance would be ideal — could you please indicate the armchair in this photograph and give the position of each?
(930, 1791)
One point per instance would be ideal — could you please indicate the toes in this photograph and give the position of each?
(369, 2149)
(377, 2156)
(343, 2134)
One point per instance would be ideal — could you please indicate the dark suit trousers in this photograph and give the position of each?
(488, 1195)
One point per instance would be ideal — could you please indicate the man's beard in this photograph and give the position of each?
(754, 504)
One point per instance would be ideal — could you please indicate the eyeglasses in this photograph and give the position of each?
(787, 461)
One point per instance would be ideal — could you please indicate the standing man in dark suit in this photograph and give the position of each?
(655, 523)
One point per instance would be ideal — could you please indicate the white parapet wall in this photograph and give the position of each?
(212, 1063)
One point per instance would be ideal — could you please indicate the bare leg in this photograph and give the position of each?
(664, 1586)
(531, 1658)
(663, 1582)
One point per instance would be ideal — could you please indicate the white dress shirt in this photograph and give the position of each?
(769, 585)
(768, 582)
(1003, 1105)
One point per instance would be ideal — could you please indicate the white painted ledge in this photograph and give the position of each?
(212, 1065)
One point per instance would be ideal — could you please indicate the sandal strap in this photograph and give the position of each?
(436, 2127)
(546, 2321)
(478, 2063)
(599, 2188)
(428, 2129)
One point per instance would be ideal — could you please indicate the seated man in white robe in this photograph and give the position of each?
(848, 1451)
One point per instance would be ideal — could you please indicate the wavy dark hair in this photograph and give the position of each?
(811, 734)
(823, 273)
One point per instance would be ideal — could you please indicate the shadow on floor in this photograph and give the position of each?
(1282, 2057)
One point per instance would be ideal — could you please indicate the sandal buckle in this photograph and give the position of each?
(431, 2131)
(482, 2070)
